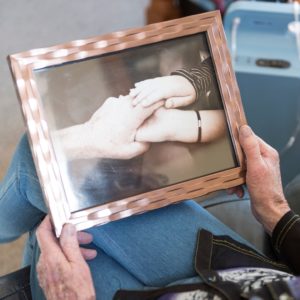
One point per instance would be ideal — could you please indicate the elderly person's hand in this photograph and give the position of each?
(263, 180)
(110, 132)
(176, 90)
(62, 270)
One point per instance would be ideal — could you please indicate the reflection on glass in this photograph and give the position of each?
(128, 122)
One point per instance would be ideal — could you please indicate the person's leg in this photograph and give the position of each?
(158, 247)
(152, 250)
(21, 199)
(109, 276)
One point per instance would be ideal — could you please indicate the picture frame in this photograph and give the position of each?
(59, 87)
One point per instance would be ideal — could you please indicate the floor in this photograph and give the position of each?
(33, 24)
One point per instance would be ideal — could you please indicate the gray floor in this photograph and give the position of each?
(32, 24)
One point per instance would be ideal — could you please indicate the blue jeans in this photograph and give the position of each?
(148, 250)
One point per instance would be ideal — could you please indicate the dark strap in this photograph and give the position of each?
(153, 294)
(16, 285)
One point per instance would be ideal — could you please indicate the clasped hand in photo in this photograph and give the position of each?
(124, 127)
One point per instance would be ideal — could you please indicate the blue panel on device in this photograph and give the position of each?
(264, 40)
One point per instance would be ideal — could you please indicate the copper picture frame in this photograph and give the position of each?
(62, 86)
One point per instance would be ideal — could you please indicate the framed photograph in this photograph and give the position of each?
(132, 121)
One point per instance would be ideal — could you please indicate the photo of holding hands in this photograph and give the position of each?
(158, 123)
(124, 127)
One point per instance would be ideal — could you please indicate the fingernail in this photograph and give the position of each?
(245, 131)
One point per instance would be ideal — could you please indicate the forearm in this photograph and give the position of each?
(286, 240)
(177, 125)
(72, 141)
(182, 126)
(200, 77)
(213, 125)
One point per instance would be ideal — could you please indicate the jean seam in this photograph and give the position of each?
(28, 176)
(247, 252)
(13, 179)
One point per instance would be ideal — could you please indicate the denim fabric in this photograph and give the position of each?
(21, 199)
(148, 250)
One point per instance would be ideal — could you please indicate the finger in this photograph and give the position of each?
(143, 95)
(84, 237)
(174, 102)
(46, 238)
(134, 92)
(250, 144)
(231, 191)
(265, 148)
(122, 97)
(142, 134)
(238, 190)
(152, 98)
(134, 149)
(155, 106)
(88, 254)
(143, 82)
(145, 112)
(69, 243)
(139, 88)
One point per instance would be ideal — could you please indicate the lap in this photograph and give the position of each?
(151, 249)
(158, 247)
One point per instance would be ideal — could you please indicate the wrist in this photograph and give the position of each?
(273, 215)
(185, 85)
(183, 126)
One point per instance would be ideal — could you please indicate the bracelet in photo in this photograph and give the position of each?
(199, 126)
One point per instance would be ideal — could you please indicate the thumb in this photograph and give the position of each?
(250, 144)
(134, 149)
(69, 243)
